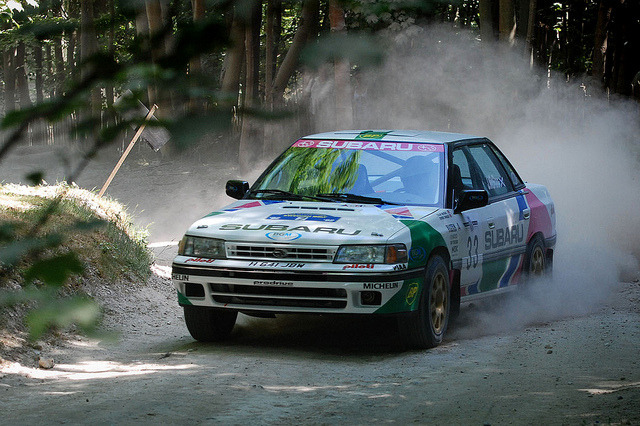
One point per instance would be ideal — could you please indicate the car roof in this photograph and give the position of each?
(416, 136)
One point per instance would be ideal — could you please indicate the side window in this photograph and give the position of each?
(494, 178)
(515, 179)
(463, 180)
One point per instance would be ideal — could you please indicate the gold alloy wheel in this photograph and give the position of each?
(438, 302)
(537, 261)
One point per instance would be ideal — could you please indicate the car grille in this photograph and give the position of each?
(256, 295)
(280, 252)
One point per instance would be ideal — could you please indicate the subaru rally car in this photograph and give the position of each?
(401, 223)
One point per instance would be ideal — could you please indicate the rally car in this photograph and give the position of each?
(407, 224)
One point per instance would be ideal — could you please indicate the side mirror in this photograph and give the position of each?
(237, 188)
(471, 199)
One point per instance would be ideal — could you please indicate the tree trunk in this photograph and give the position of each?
(487, 30)
(22, 84)
(154, 23)
(341, 73)
(250, 147)
(88, 46)
(198, 6)
(272, 40)
(233, 60)
(37, 55)
(600, 40)
(108, 90)
(71, 53)
(308, 21)
(48, 60)
(59, 65)
(507, 22)
(8, 65)
(530, 21)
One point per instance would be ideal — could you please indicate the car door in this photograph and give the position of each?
(470, 252)
(505, 219)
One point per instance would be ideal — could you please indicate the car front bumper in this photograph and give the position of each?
(236, 285)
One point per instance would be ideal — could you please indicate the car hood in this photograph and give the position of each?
(302, 222)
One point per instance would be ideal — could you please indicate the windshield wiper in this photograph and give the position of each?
(348, 197)
(286, 195)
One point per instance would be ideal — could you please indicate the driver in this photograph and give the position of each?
(419, 176)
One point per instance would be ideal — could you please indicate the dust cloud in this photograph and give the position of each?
(563, 134)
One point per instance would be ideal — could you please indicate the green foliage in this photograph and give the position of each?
(55, 270)
(49, 237)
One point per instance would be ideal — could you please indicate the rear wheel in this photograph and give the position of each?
(426, 327)
(535, 261)
(207, 324)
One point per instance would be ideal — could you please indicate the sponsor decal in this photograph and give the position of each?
(371, 145)
(180, 277)
(253, 204)
(369, 134)
(400, 213)
(202, 226)
(417, 254)
(504, 236)
(495, 182)
(276, 264)
(283, 236)
(278, 283)
(381, 286)
(412, 293)
(286, 228)
(304, 216)
(451, 227)
(358, 266)
(214, 214)
(400, 267)
(444, 215)
(471, 224)
(199, 260)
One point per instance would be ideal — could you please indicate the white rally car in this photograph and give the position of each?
(401, 223)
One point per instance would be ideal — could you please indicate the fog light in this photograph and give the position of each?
(193, 290)
(370, 298)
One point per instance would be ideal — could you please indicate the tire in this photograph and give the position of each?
(426, 328)
(207, 324)
(535, 260)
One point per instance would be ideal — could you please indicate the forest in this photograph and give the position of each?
(75, 71)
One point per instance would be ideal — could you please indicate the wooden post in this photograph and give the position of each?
(129, 148)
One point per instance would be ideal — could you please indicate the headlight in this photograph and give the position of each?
(202, 247)
(387, 253)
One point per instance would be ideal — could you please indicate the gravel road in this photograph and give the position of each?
(565, 354)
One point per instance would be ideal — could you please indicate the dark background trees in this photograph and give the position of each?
(242, 59)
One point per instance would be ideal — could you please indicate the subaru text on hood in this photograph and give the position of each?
(400, 223)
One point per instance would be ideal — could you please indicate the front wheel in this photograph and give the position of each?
(208, 324)
(426, 327)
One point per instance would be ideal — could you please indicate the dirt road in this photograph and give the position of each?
(566, 354)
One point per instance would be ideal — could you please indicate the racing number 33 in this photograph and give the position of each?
(472, 246)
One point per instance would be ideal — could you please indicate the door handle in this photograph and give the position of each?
(491, 225)
(526, 214)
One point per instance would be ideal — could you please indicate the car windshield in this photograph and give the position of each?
(356, 171)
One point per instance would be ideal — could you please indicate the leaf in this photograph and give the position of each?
(48, 30)
(35, 178)
(62, 313)
(11, 253)
(7, 231)
(54, 271)
(358, 49)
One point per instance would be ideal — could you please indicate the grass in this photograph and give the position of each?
(97, 229)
